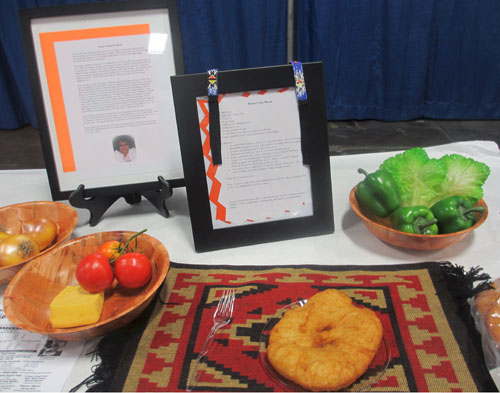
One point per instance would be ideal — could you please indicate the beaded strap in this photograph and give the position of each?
(212, 82)
(214, 121)
(300, 83)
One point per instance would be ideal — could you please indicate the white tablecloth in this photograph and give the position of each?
(350, 244)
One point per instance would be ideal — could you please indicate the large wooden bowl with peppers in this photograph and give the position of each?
(384, 230)
(417, 202)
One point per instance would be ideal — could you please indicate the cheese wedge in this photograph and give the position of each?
(74, 306)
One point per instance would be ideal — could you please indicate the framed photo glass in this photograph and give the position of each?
(273, 181)
(100, 75)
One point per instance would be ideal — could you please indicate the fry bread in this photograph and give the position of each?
(327, 344)
(487, 303)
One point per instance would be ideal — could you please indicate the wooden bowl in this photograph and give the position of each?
(29, 294)
(12, 216)
(381, 227)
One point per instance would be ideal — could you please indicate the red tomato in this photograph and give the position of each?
(133, 270)
(94, 273)
(111, 248)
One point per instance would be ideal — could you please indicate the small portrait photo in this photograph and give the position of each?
(124, 148)
(52, 347)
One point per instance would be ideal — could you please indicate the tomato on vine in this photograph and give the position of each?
(133, 270)
(111, 249)
(94, 273)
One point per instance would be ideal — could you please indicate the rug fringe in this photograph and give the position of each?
(102, 372)
(110, 348)
(461, 283)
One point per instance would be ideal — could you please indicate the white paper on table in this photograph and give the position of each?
(262, 177)
(32, 362)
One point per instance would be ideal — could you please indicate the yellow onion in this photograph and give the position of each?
(42, 230)
(16, 249)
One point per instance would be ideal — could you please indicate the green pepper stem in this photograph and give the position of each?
(474, 209)
(361, 170)
(422, 225)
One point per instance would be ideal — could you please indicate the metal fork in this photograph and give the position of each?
(222, 316)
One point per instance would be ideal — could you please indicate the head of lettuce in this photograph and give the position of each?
(424, 181)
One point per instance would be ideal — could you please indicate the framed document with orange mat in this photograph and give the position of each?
(255, 154)
(100, 78)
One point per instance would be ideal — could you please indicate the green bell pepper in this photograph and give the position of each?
(455, 213)
(415, 219)
(378, 193)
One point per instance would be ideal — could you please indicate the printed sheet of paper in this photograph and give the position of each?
(113, 119)
(31, 362)
(262, 177)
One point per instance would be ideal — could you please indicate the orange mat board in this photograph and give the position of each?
(47, 41)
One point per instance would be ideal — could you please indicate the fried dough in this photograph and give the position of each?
(492, 321)
(327, 344)
(487, 303)
(485, 300)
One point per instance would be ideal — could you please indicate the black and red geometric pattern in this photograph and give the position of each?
(420, 327)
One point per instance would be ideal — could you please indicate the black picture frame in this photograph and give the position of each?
(186, 89)
(107, 11)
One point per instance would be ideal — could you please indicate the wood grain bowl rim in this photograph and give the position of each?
(73, 222)
(99, 326)
(354, 205)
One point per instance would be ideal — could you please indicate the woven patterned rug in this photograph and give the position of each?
(431, 345)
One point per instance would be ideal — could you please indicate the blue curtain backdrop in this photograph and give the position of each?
(232, 34)
(224, 34)
(16, 103)
(398, 60)
(383, 59)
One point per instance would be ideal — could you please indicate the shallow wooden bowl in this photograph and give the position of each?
(12, 216)
(29, 294)
(381, 227)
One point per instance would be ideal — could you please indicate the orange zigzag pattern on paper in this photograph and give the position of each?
(212, 169)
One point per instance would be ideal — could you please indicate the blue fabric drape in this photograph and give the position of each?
(399, 60)
(229, 34)
(383, 59)
(16, 102)
(223, 34)
(464, 77)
